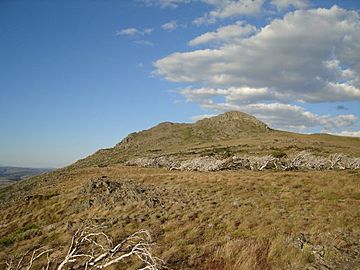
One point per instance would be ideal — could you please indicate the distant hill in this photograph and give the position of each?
(230, 133)
(11, 174)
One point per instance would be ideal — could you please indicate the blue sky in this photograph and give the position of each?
(77, 76)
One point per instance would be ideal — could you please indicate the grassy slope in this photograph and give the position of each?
(232, 133)
(222, 220)
(18, 173)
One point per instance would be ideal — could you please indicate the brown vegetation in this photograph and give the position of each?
(198, 220)
(223, 136)
(242, 197)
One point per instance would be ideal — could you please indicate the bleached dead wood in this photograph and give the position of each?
(260, 163)
(27, 260)
(334, 160)
(298, 161)
(96, 250)
(203, 164)
(91, 249)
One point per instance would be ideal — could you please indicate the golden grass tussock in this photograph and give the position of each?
(244, 253)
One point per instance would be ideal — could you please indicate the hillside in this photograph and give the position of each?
(231, 133)
(10, 174)
(99, 210)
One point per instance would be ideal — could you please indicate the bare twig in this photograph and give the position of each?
(90, 249)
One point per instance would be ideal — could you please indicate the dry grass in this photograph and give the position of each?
(225, 135)
(219, 220)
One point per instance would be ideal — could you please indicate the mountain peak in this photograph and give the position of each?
(234, 121)
(231, 132)
(233, 115)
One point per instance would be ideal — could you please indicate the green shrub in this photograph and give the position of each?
(12, 237)
(278, 154)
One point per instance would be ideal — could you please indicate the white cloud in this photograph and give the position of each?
(202, 116)
(166, 3)
(169, 26)
(231, 95)
(348, 133)
(134, 31)
(294, 117)
(143, 42)
(285, 4)
(127, 32)
(225, 34)
(229, 8)
(308, 56)
(276, 115)
(147, 31)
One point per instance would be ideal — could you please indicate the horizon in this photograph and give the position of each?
(22, 167)
(80, 76)
(189, 122)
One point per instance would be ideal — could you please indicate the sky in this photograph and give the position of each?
(78, 76)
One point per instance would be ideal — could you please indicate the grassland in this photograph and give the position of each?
(232, 133)
(235, 219)
(219, 220)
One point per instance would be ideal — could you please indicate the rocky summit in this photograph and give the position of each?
(228, 134)
(226, 126)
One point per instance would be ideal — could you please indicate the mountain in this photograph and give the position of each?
(10, 174)
(99, 209)
(230, 133)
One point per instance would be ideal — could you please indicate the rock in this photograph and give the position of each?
(108, 193)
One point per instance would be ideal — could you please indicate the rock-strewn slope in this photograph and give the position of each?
(298, 161)
(199, 221)
(297, 219)
(226, 135)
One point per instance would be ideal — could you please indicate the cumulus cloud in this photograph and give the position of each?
(308, 56)
(285, 4)
(232, 95)
(134, 31)
(229, 8)
(348, 133)
(225, 34)
(169, 26)
(143, 42)
(276, 115)
(202, 116)
(166, 3)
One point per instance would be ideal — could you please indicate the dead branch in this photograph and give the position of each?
(90, 249)
(303, 160)
(28, 258)
(96, 250)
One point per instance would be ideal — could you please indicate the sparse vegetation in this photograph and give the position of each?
(223, 136)
(23, 233)
(228, 207)
(199, 220)
(278, 154)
